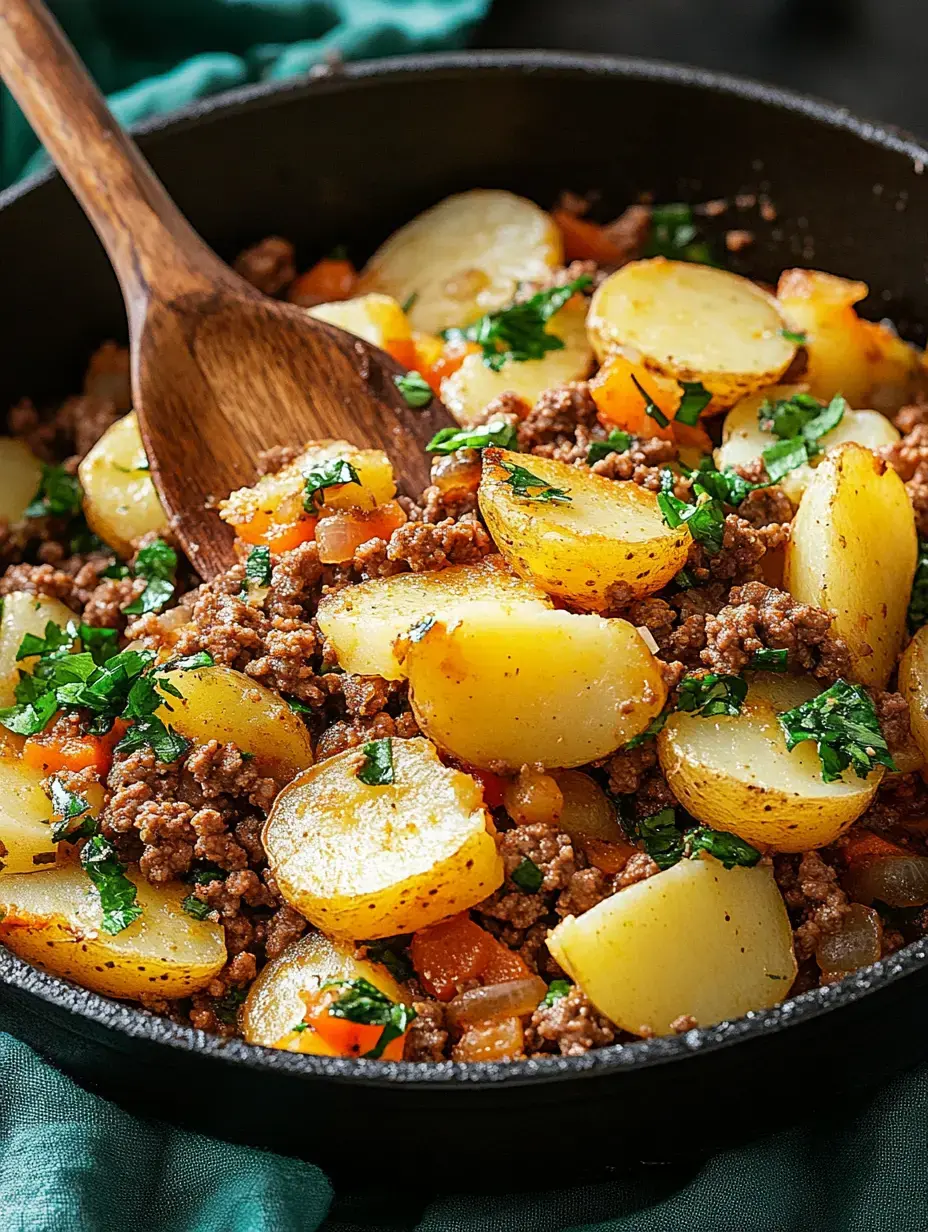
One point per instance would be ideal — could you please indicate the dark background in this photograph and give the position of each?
(870, 55)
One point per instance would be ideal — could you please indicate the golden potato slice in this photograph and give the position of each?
(697, 939)
(853, 550)
(20, 476)
(466, 392)
(274, 1004)
(913, 685)
(53, 920)
(378, 319)
(362, 622)
(24, 613)
(504, 688)
(464, 257)
(372, 861)
(868, 363)
(120, 501)
(743, 439)
(219, 703)
(693, 323)
(25, 812)
(734, 773)
(281, 494)
(603, 545)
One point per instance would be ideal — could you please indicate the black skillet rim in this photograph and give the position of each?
(137, 1024)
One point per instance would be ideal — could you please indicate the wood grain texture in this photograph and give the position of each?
(219, 371)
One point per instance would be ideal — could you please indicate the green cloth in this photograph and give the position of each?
(151, 57)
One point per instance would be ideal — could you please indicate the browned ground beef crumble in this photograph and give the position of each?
(206, 811)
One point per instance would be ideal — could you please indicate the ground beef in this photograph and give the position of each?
(814, 898)
(569, 1026)
(909, 457)
(640, 867)
(627, 768)
(743, 548)
(766, 507)
(105, 604)
(586, 888)
(643, 463)
(269, 265)
(556, 415)
(892, 711)
(220, 769)
(427, 1037)
(422, 545)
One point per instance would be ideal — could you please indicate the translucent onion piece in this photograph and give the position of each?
(586, 809)
(897, 881)
(496, 1001)
(340, 534)
(856, 945)
(457, 473)
(490, 1041)
(533, 797)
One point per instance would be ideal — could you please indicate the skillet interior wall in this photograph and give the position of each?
(347, 160)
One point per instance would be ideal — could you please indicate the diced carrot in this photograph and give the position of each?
(491, 783)
(261, 528)
(403, 350)
(329, 279)
(306, 1041)
(344, 1037)
(448, 362)
(863, 846)
(52, 753)
(447, 954)
(585, 240)
(504, 964)
(620, 403)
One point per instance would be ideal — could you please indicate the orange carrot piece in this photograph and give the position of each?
(447, 954)
(329, 279)
(53, 753)
(585, 240)
(864, 846)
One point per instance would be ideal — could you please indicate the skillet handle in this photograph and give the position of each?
(150, 243)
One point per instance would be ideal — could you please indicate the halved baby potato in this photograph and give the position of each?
(20, 476)
(853, 550)
(913, 685)
(25, 812)
(504, 688)
(53, 920)
(219, 703)
(463, 257)
(693, 323)
(275, 1006)
(372, 861)
(743, 439)
(377, 319)
(697, 939)
(734, 772)
(467, 392)
(24, 613)
(602, 545)
(361, 623)
(120, 501)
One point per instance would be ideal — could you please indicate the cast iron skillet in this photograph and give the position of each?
(346, 158)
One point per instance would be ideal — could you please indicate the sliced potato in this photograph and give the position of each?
(697, 939)
(25, 812)
(362, 622)
(913, 685)
(734, 772)
(853, 550)
(274, 1004)
(219, 703)
(743, 439)
(120, 501)
(20, 476)
(24, 613)
(868, 363)
(693, 323)
(53, 919)
(504, 688)
(372, 861)
(466, 392)
(604, 546)
(464, 257)
(378, 319)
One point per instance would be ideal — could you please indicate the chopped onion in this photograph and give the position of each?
(342, 532)
(856, 944)
(533, 796)
(586, 809)
(490, 1041)
(457, 473)
(509, 1000)
(648, 638)
(897, 881)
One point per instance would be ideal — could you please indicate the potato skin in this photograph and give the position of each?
(52, 919)
(609, 545)
(853, 550)
(733, 772)
(120, 500)
(913, 685)
(363, 862)
(20, 475)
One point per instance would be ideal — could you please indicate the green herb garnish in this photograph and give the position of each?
(258, 568)
(766, 660)
(727, 848)
(498, 432)
(330, 475)
(660, 837)
(705, 520)
(377, 770)
(157, 563)
(116, 891)
(522, 482)
(653, 729)
(674, 235)
(918, 601)
(58, 495)
(666, 845)
(196, 907)
(391, 952)
(616, 442)
(795, 336)
(726, 486)
(415, 389)
(409, 301)
(694, 401)
(843, 723)
(556, 990)
(227, 1007)
(800, 422)
(528, 876)
(711, 695)
(366, 1004)
(651, 409)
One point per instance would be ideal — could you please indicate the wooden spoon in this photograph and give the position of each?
(219, 371)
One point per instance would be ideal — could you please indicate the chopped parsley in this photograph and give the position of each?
(705, 520)
(196, 907)
(660, 837)
(226, 1009)
(653, 729)
(415, 389)
(296, 705)
(711, 695)
(409, 301)
(666, 844)
(58, 495)
(651, 409)
(843, 723)
(528, 876)
(377, 770)
(918, 601)
(795, 336)
(694, 401)
(616, 442)
(391, 952)
(157, 563)
(800, 422)
(767, 660)
(258, 568)
(116, 571)
(330, 475)
(363, 1003)
(674, 235)
(784, 457)
(116, 891)
(726, 486)
(726, 848)
(556, 990)
(522, 482)
(68, 807)
(497, 432)
(518, 333)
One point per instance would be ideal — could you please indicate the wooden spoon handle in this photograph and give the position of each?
(147, 238)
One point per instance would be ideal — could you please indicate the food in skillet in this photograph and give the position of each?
(616, 730)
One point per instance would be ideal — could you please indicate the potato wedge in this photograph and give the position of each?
(467, 392)
(866, 362)
(362, 622)
(913, 685)
(378, 319)
(464, 257)
(24, 613)
(734, 773)
(219, 703)
(52, 919)
(20, 476)
(853, 550)
(604, 546)
(25, 812)
(501, 689)
(743, 439)
(693, 323)
(120, 501)
(372, 861)
(634, 954)
(274, 1004)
